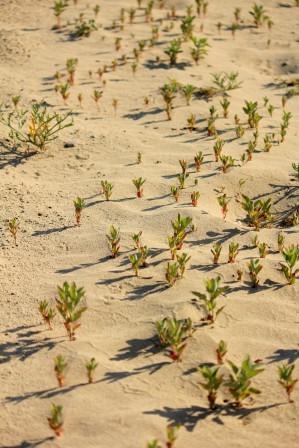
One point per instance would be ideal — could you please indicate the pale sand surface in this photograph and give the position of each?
(137, 393)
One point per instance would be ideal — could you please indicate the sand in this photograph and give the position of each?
(137, 389)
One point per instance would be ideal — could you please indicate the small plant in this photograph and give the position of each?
(168, 92)
(182, 261)
(71, 65)
(240, 131)
(59, 7)
(291, 257)
(84, 28)
(107, 188)
(36, 127)
(200, 49)
(195, 195)
(79, 204)
(47, 313)
(181, 227)
(285, 124)
(171, 434)
(295, 167)
(113, 239)
(218, 146)
(226, 81)
(188, 91)
(214, 290)
(198, 159)
(221, 351)
(184, 165)
(173, 50)
(182, 177)
(138, 182)
(227, 162)
(60, 365)
(69, 305)
(191, 122)
(258, 212)
(250, 110)
(239, 275)
(13, 227)
(187, 26)
(263, 249)
(136, 237)
(135, 262)
(225, 103)
(239, 383)
(96, 96)
(172, 273)
(268, 142)
(286, 380)
(91, 366)
(15, 100)
(259, 14)
(255, 268)
(212, 384)
(173, 334)
(56, 419)
(216, 251)
(280, 241)
(175, 192)
(223, 201)
(233, 250)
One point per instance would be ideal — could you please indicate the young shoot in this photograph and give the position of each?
(139, 182)
(173, 335)
(216, 251)
(79, 204)
(71, 307)
(91, 366)
(113, 238)
(221, 351)
(107, 188)
(291, 258)
(213, 381)
(47, 313)
(60, 365)
(209, 300)
(254, 267)
(286, 380)
(56, 419)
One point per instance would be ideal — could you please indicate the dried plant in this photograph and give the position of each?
(221, 351)
(286, 380)
(214, 290)
(69, 305)
(113, 239)
(239, 383)
(91, 366)
(47, 313)
(56, 419)
(60, 365)
(79, 204)
(213, 381)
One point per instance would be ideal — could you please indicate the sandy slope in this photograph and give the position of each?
(137, 392)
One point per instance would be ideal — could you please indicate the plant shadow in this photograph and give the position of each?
(112, 377)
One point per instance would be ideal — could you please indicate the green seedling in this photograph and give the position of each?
(173, 335)
(270, 110)
(198, 159)
(285, 124)
(191, 122)
(195, 195)
(56, 419)
(295, 167)
(172, 273)
(64, 90)
(15, 100)
(200, 49)
(113, 239)
(233, 250)
(135, 262)
(214, 290)
(143, 252)
(268, 142)
(182, 180)
(286, 380)
(239, 383)
(181, 227)
(136, 237)
(138, 182)
(250, 150)
(213, 381)
(240, 131)
(188, 91)
(84, 28)
(96, 96)
(80, 99)
(216, 251)
(259, 14)
(139, 158)
(107, 188)
(71, 66)
(184, 165)
(217, 148)
(79, 204)
(258, 212)
(47, 313)
(255, 268)
(96, 10)
(182, 261)
(69, 305)
(187, 26)
(280, 241)
(171, 434)
(250, 110)
(227, 162)
(291, 258)
(91, 366)
(173, 243)
(13, 227)
(59, 7)
(226, 81)
(263, 249)
(221, 351)
(223, 201)
(225, 103)
(175, 192)
(36, 126)
(168, 92)
(173, 50)
(60, 365)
